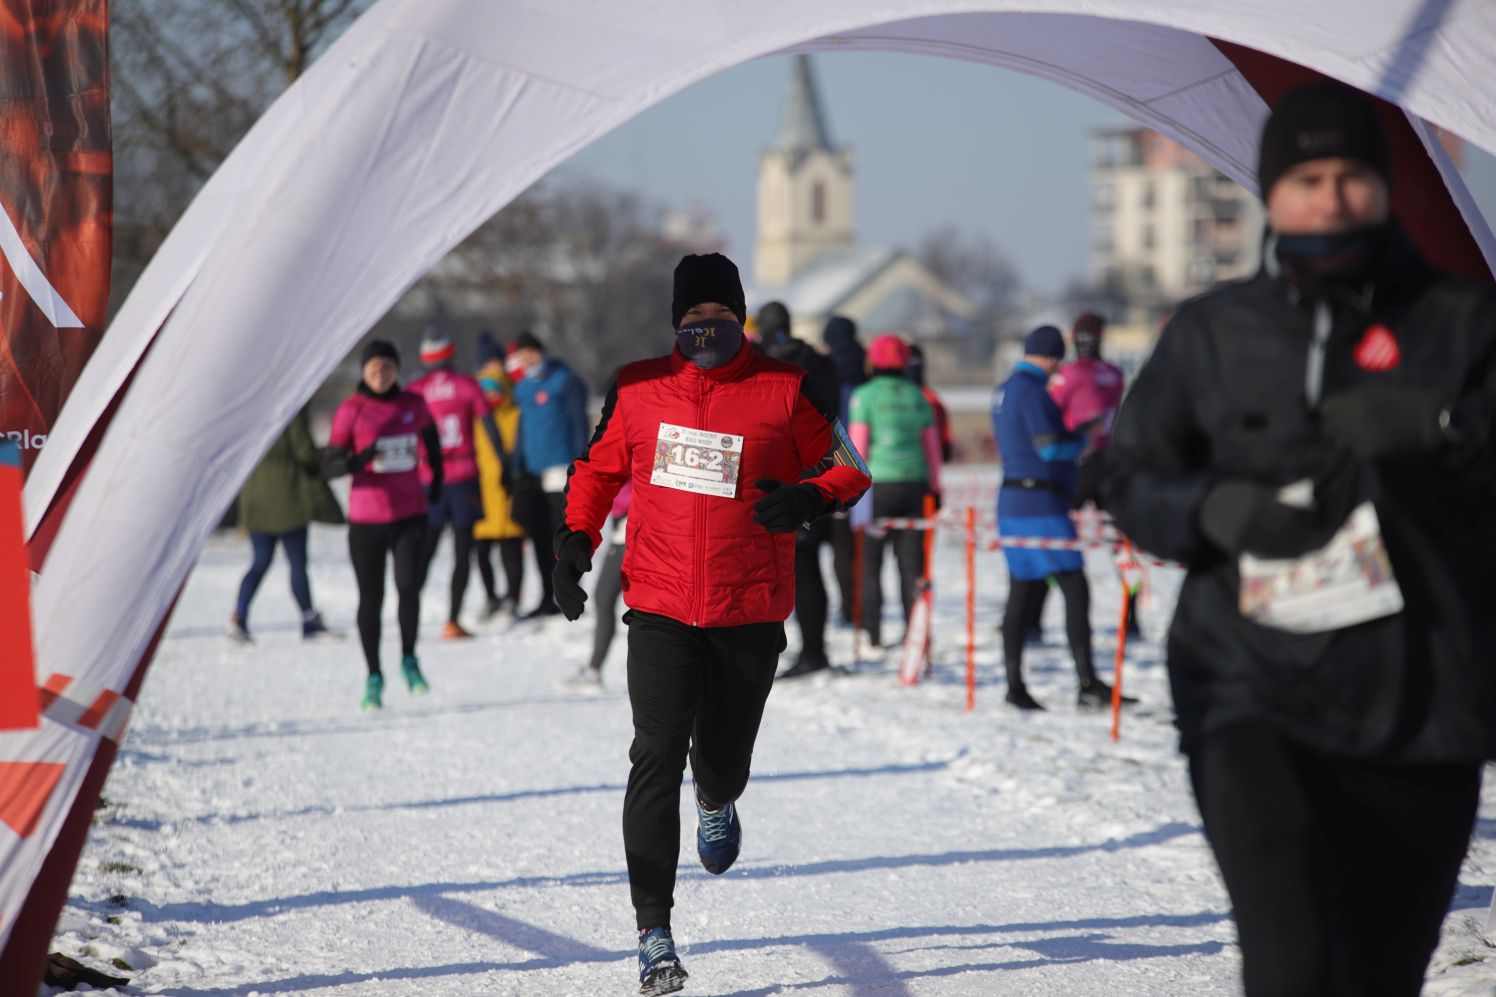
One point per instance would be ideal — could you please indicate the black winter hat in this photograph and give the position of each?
(1321, 121)
(839, 331)
(379, 348)
(1045, 341)
(528, 341)
(489, 348)
(708, 277)
(774, 322)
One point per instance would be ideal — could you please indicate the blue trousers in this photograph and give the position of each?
(263, 545)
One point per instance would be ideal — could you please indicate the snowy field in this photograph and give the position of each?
(260, 835)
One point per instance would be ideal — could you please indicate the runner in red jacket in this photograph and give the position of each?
(715, 438)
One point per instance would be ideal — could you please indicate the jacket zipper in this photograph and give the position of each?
(1314, 373)
(698, 604)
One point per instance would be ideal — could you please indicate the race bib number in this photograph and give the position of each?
(1348, 581)
(697, 460)
(453, 435)
(395, 454)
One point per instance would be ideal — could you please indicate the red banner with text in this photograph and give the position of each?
(20, 704)
(56, 206)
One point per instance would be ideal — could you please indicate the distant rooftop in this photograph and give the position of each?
(827, 282)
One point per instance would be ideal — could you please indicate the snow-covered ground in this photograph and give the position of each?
(260, 835)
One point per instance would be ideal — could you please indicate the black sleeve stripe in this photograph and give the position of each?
(432, 441)
(819, 404)
(602, 427)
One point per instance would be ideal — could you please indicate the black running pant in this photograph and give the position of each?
(605, 603)
(368, 544)
(1340, 870)
(550, 514)
(810, 587)
(462, 559)
(844, 561)
(1022, 597)
(1088, 479)
(696, 691)
(511, 557)
(903, 500)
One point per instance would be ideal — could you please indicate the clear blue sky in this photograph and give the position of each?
(936, 142)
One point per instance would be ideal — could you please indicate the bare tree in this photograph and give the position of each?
(584, 267)
(188, 81)
(974, 265)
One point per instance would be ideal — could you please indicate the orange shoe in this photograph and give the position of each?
(453, 630)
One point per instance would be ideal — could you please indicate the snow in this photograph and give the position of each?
(262, 836)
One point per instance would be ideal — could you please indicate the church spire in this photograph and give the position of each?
(802, 127)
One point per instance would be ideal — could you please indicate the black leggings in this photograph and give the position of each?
(1022, 597)
(810, 587)
(844, 558)
(368, 543)
(1340, 870)
(462, 559)
(511, 557)
(550, 514)
(605, 603)
(899, 499)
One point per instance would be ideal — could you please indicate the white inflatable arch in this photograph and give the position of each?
(428, 116)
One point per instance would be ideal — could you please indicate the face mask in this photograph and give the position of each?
(710, 342)
(1332, 258)
(1087, 346)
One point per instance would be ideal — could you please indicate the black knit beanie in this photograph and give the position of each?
(1321, 121)
(708, 277)
(379, 348)
(528, 341)
(773, 322)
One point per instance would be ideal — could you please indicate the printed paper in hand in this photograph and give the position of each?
(1348, 581)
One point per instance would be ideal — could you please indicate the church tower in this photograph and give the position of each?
(805, 192)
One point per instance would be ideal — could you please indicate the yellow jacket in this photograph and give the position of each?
(497, 522)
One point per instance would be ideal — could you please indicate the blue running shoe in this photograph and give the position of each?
(660, 971)
(719, 837)
(373, 692)
(411, 669)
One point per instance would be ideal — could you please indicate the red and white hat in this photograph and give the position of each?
(436, 348)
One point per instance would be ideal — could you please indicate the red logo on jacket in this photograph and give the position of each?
(1378, 350)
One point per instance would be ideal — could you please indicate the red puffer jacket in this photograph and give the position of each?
(700, 558)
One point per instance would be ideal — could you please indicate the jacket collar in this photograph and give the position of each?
(368, 392)
(731, 370)
(1400, 265)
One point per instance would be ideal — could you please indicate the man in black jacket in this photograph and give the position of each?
(849, 357)
(1335, 408)
(824, 385)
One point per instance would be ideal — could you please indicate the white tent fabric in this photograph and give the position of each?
(430, 115)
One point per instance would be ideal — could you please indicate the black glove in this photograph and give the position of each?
(785, 506)
(434, 493)
(573, 560)
(363, 458)
(1385, 420)
(1245, 517)
(336, 461)
(938, 500)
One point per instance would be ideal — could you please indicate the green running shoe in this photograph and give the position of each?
(373, 693)
(410, 667)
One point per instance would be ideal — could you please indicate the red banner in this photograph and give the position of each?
(19, 701)
(56, 205)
